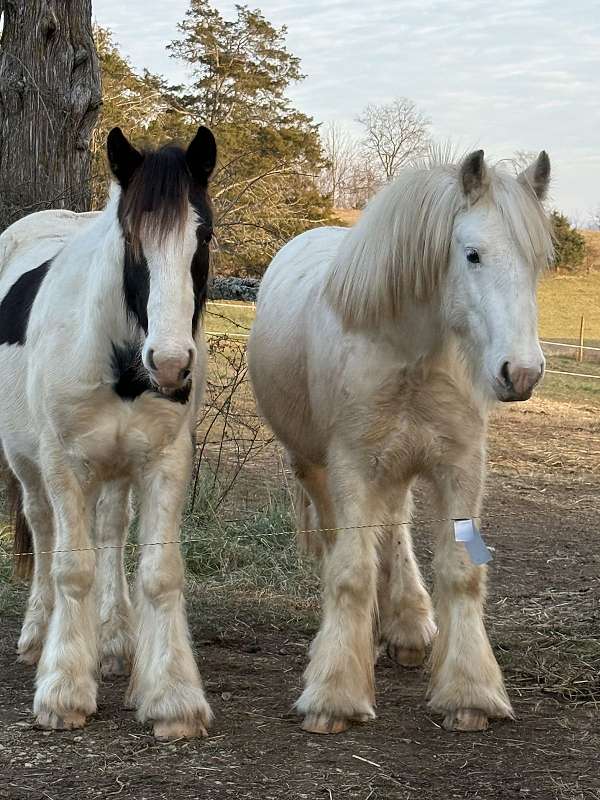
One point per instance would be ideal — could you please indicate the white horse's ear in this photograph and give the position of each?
(201, 155)
(537, 176)
(474, 177)
(123, 158)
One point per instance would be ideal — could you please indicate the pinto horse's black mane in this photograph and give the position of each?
(154, 202)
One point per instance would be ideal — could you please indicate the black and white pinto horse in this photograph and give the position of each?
(102, 363)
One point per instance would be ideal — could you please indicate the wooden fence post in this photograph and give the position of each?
(581, 332)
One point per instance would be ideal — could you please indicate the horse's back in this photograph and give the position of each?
(303, 261)
(36, 238)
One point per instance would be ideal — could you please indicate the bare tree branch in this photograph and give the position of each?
(395, 135)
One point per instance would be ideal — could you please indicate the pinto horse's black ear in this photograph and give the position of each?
(201, 155)
(123, 158)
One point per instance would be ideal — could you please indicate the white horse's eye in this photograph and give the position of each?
(472, 255)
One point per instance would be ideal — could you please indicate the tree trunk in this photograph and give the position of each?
(49, 101)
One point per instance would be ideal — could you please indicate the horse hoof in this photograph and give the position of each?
(167, 730)
(51, 721)
(325, 723)
(406, 656)
(466, 719)
(115, 666)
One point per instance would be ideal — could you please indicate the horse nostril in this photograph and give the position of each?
(184, 374)
(151, 361)
(504, 372)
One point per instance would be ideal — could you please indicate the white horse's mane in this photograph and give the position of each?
(399, 248)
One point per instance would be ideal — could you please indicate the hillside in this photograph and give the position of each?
(592, 242)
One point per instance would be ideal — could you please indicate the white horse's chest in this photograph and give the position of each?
(108, 436)
(416, 426)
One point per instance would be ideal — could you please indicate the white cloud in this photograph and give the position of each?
(518, 75)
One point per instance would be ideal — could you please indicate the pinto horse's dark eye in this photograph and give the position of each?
(472, 256)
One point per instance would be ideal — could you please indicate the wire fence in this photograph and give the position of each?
(571, 346)
(231, 437)
(246, 336)
(291, 532)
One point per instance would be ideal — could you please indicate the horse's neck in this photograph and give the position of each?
(418, 340)
(415, 335)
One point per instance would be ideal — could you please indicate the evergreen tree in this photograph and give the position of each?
(270, 153)
(569, 244)
(264, 189)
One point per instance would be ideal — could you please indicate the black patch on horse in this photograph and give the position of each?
(132, 380)
(200, 267)
(136, 286)
(16, 306)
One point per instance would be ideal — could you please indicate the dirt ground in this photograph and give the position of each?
(543, 620)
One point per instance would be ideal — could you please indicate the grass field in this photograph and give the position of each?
(563, 300)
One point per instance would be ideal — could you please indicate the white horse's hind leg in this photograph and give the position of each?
(116, 636)
(406, 618)
(38, 513)
(165, 683)
(66, 683)
(319, 514)
(466, 681)
(339, 680)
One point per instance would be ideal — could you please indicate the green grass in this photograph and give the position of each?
(253, 552)
(243, 554)
(567, 388)
(235, 319)
(563, 299)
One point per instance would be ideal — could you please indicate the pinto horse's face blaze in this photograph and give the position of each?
(166, 217)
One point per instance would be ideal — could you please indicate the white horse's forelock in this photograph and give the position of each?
(398, 251)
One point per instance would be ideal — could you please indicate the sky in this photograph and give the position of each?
(504, 75)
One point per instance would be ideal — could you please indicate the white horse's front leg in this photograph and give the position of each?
(66, 682)
(339, 680)
(406, 620)
(165, 682)
(116, 618)
(466, 681)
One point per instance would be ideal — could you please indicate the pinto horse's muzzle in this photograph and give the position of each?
(170, 371)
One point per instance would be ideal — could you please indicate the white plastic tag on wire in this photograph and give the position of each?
(466, 531)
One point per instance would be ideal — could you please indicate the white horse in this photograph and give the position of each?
(376, 356)
(102, 363)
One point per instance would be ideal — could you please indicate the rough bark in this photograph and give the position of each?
(49, 101)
